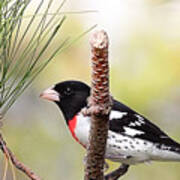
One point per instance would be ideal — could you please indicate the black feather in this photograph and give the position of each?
(150, 131)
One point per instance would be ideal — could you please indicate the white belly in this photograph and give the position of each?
(124, 149)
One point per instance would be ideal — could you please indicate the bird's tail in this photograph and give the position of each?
(165, 152)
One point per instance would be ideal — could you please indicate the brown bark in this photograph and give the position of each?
(99, 107)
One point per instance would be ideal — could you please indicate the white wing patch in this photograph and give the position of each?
(132, 132)
(116, 115)
(139, 122)
(140, 119)
(134, 124)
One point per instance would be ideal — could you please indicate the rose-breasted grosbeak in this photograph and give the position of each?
(131, 137)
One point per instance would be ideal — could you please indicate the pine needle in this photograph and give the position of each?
(6, 162)
(21, 57)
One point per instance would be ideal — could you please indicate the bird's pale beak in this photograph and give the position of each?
(50, 94)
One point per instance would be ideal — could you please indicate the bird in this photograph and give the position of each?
(132, 138)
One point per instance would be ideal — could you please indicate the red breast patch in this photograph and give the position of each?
(72, 126)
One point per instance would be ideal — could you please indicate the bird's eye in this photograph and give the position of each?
(67, 91)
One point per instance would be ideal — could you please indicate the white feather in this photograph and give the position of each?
(116, 115)
(125, 149)
(132, 132)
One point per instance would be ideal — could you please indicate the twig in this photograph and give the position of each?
(5, 169)
(99, 107)
(114, 175)
(19, 165)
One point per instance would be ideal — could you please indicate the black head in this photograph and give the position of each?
(70, 96)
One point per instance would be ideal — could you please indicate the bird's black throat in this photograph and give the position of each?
(71, 108)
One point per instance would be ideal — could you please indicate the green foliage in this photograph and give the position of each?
(18, 69)
(22, 47)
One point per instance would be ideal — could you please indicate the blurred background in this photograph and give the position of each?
(145, 75)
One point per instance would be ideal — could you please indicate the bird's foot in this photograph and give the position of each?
(88, 111)
(96, 109)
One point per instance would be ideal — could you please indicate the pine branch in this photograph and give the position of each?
(23, 47)
(99, 107)
(99, 103)
(19, 165)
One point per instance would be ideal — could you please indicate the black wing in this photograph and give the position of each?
(133, 124)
